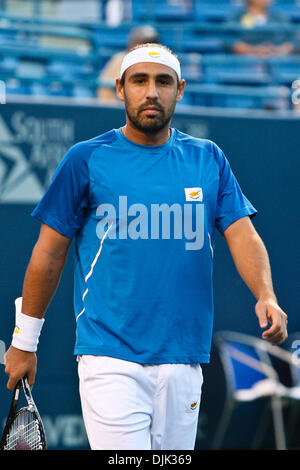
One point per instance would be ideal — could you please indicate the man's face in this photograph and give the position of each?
(150, 93)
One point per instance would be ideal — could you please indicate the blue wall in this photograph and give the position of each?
(264, 155)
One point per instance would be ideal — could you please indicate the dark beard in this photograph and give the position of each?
(151, 125)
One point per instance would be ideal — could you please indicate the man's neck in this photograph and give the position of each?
(139, 137)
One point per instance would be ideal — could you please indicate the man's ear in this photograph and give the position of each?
(119, 89)
(180, 90)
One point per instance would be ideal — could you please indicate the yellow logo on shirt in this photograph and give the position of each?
(193, 194)
(17, 329)
(193, 406)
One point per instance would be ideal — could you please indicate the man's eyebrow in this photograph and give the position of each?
(165, 76)
(145, 75)
(138, 75)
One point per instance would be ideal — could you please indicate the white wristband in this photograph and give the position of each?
(27, 330)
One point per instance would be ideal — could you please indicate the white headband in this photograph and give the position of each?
(151, 54)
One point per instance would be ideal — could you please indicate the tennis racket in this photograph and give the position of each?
(24, 429)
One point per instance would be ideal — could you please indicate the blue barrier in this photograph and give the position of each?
(263, 152)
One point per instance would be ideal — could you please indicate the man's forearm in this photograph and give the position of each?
(252, 262)
(254, 267)
(41, 280)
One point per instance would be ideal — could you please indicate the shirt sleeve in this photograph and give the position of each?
(63, 206)
(232, 204)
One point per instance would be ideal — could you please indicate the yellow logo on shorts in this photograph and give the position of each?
(17, 329)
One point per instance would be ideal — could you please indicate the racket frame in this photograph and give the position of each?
(31, 408)
(11, 415)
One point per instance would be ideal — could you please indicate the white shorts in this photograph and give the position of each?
(128, 406)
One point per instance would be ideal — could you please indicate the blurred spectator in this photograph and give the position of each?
(113, 12)
(71, 10)
(139, 35)
(256, 15)
(296, 96)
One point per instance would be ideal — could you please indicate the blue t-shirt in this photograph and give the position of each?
(143, 218)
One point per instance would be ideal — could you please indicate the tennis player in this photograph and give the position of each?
(142, 203)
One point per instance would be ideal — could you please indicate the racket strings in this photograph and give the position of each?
(24, 433)
(22, 436)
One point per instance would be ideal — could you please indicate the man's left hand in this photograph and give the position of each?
(268, 311)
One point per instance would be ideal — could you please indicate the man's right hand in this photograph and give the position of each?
(19, 364)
